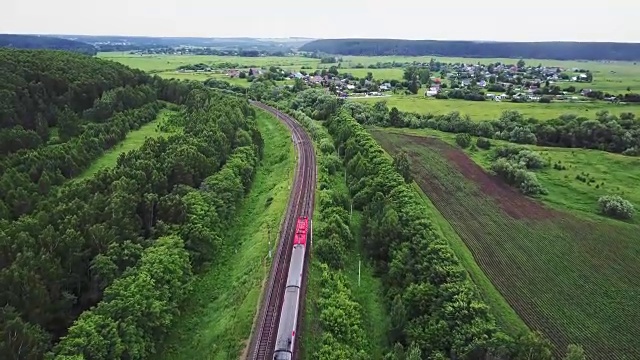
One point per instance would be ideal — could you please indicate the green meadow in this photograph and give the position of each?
(491, 110)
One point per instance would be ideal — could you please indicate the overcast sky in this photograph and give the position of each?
(536, 20)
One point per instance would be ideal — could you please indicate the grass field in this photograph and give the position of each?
(574, 278)
(160, 63)
(491, 110)
(217, 319)
(134, 139)
(206, 76)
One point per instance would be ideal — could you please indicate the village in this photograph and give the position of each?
(475, 82)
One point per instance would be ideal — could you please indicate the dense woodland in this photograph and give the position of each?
(75, 256)
(60, 111)
(477, 49)
(45, 42)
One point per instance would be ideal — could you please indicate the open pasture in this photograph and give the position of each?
(171, 62)
(491, 110)
(574, 279)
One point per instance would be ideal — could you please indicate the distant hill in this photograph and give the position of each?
(45, 42)
(124, 43)
(477, 49)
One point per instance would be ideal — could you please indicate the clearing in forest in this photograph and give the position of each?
(576, 280)
(134, 139)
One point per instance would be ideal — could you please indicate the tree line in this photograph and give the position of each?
(607, 132)
(477, 49)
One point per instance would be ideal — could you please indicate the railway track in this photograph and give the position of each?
(301, 202)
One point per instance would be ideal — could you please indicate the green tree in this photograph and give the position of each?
(463, 140)
(575, 352)
(402, 165)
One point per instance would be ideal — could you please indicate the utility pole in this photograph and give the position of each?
(269, 237)
(359, 270)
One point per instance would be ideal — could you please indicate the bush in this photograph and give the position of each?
(530, 159)
(616, 207)
(517, 175)
(483, 143)
(463, 140)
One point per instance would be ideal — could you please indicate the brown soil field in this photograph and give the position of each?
(573, 279)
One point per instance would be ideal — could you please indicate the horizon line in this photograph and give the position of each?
(316, 38)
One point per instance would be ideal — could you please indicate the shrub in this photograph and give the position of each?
(463, 140)
(517, 175)
(530, 159)
(616, 207)
(483, 143)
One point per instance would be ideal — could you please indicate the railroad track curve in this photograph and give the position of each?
(301, 203)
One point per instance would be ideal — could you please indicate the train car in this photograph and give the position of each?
(291, 303)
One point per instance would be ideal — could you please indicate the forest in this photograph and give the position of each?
(477, 49)
(45, 42)
(74, 255)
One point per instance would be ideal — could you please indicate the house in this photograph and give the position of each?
(385, 86)
(431, 92)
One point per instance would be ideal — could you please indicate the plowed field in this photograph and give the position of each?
(575, 280)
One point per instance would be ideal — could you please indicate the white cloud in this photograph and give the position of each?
(462, 20)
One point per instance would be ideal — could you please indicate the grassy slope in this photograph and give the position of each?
(219, 315)
(619, 173)
(134, 140)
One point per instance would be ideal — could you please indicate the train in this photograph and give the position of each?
(286, 338)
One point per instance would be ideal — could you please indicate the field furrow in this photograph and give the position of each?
(575, 280)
